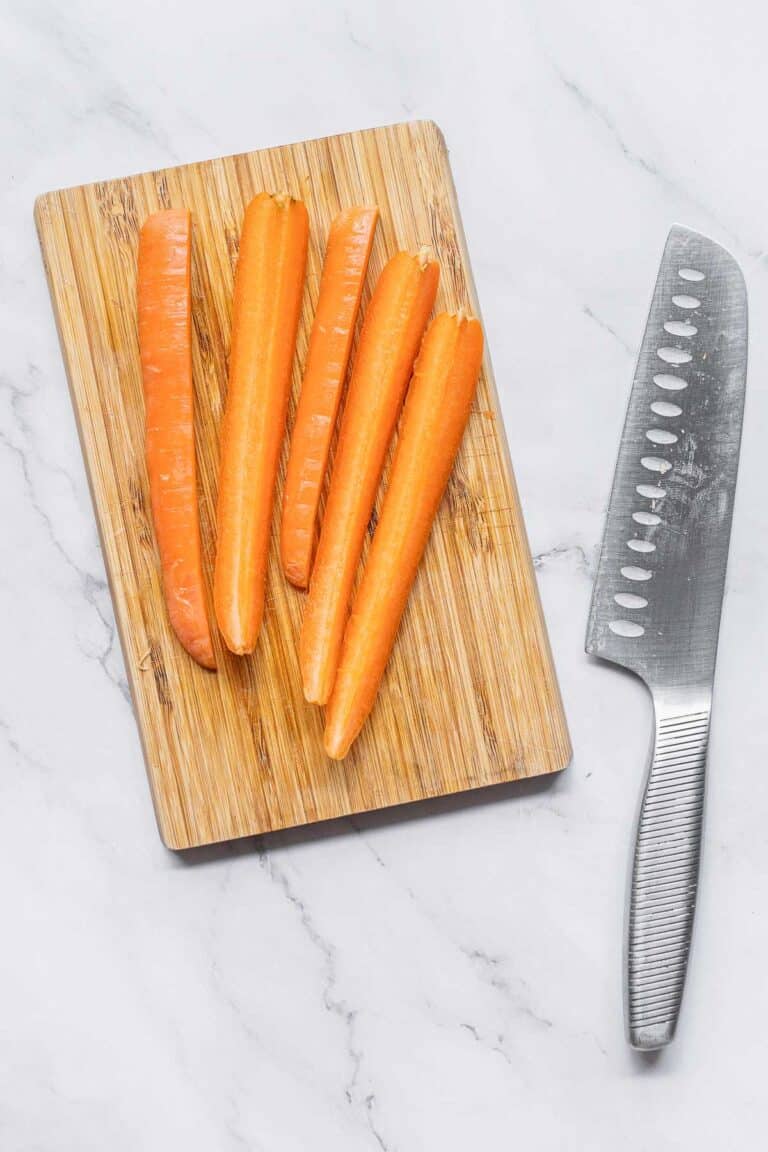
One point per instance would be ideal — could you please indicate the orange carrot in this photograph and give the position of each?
(269, 281)
(165, 344)
(392, 331)
(434, 418)
(341, 286)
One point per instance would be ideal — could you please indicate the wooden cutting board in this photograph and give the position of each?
(470, 697)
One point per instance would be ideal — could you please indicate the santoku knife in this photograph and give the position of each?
(659, 589)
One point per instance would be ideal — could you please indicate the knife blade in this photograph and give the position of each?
(659, 587)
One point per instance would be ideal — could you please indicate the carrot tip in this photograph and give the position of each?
(315, 690)
(334, 747)
(200, 649)
(424, 256)
(296, 578)
(238, 647)
(315, 696)
(236, 643)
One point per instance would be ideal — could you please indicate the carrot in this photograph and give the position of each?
(341, 286)
(392, 331)
(434, 418)
(165, 344)
(269, 281)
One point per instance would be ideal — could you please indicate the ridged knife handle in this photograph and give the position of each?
(665, 870)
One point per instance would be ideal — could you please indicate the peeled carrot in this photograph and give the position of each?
(434, 418)
(392, 331)
(165, 344)
(269, 281)
(341, 286)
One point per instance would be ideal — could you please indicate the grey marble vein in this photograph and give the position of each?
(606, 327)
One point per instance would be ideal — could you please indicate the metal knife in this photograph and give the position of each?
(659, 590)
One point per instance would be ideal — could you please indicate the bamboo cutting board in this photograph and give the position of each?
(470, 697)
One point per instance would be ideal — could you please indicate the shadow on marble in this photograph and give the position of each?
(647, 1063)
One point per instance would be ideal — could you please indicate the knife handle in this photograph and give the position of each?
(665, 870)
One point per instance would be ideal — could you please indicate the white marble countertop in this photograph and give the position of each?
(446, 977)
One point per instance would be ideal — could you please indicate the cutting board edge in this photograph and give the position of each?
(427, 122)
(468, 790)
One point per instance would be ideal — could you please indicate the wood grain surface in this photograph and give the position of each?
(470, 697)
